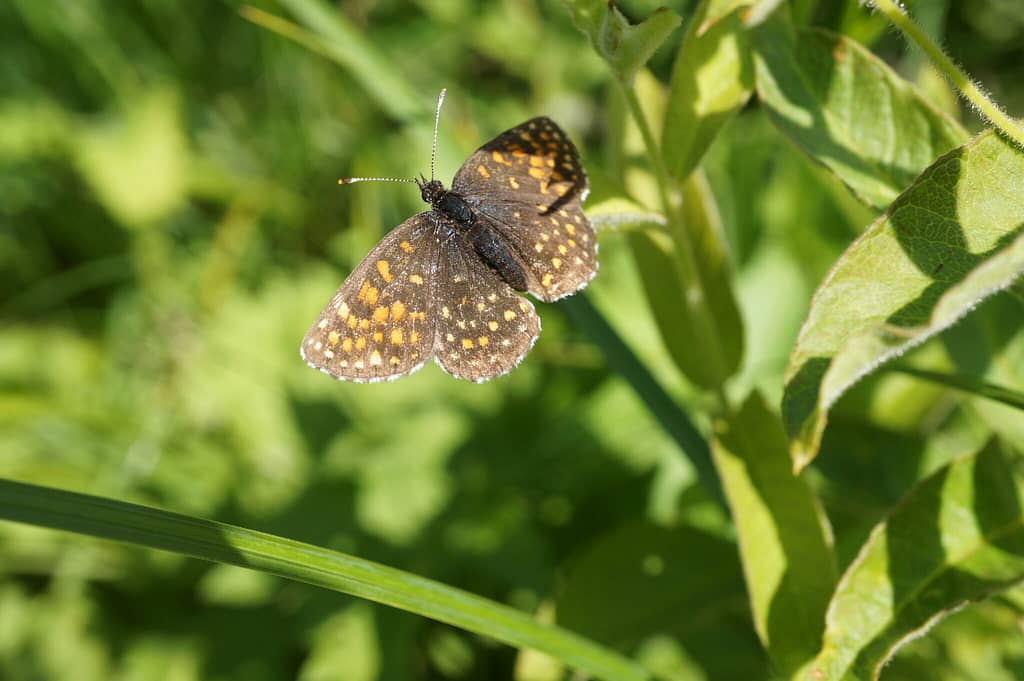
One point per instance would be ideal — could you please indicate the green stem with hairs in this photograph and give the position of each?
(968, 89)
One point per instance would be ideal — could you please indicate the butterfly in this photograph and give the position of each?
(444, 284)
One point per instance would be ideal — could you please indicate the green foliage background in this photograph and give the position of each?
(170, 224)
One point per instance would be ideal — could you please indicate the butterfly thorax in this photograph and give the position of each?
(447, 204)
(457, 215)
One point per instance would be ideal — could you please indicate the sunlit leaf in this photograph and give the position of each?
(848, 110)
(783, 535)
(958, 537)
(625, 46)
(950, 241)
(712, 78)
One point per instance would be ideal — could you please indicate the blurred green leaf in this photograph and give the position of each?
(783, 534)
(222, 543)
(956, 538)
(347, 46)
(707, 360)
(137, 162)
(345, 641)
(848, 110)
(712, 78)
(950, 241)
(626, 47)
(653, 582)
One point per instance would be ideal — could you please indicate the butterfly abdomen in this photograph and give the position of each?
(490, 247)
(488, 244)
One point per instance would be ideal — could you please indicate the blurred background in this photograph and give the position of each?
(170, 225)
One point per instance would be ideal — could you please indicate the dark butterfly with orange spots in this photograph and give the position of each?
(443, 283)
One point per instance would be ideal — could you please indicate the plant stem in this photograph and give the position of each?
(693, 285)
(228, 544)
(968, 89)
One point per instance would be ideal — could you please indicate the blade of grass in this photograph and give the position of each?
(222, 543)
(673, 419)
(334, 37)
(968, 384)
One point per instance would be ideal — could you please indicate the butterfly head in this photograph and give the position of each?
(431, 190)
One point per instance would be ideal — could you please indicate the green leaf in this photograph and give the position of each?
(231, 545)
(956, 538)
(704, 335)
(947, 243)
(626, 47)
(654, 581)
(848, 110)
(138, 163)
(784, 540)
(712, 78)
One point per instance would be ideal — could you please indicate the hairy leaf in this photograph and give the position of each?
(947, 243)
(957, 537)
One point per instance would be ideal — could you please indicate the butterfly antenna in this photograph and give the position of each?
(353, 180)
(437, 119)
(433, 155)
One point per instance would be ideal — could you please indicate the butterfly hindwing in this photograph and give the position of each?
(380, 325)
(483, 328)
(528, 184)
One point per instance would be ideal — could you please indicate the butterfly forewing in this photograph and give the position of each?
(528, 184)
(483, 328)
(380, 324)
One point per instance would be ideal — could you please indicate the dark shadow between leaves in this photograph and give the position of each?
(801, 396)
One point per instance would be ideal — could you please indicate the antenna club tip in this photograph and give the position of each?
(346, 180)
